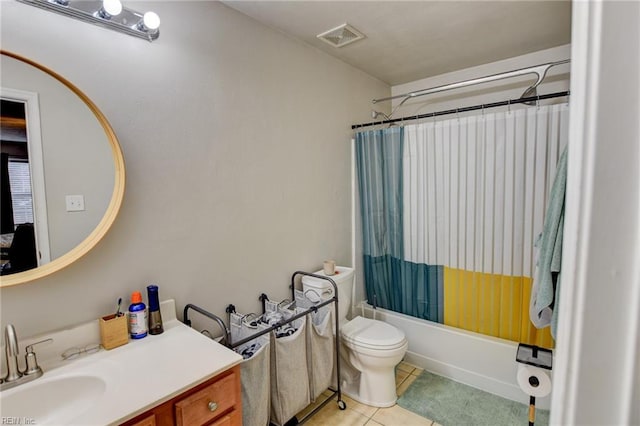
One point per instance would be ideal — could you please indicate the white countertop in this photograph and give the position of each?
(138, 375)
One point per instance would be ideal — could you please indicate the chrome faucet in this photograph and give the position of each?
(14, 376)
(11, 343)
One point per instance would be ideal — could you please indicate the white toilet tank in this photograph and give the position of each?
(344, 281)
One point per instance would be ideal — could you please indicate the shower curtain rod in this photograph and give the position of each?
(465, 109)
(539, 70)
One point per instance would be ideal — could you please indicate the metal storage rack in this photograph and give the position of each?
(263, 297)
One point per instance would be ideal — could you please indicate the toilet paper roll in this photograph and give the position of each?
(533, 381)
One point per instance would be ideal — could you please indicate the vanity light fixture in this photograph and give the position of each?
(109, 9)
(106, 13)
(149, 23)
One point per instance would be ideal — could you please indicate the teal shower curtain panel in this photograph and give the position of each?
(391, 282)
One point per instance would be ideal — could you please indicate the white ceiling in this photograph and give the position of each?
(410, 40)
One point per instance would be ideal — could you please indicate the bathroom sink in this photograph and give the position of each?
(55, 401)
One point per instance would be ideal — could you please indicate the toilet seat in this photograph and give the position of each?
(372, 334)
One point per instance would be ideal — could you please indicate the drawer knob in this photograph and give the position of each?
(212, 406)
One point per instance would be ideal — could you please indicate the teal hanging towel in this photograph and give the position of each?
(546, 284)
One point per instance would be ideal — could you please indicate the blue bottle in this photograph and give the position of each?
(137, 317)
(155, 319)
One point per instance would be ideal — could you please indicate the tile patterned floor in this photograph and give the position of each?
(358, 414)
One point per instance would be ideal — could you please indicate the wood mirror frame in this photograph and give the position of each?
(112, 209)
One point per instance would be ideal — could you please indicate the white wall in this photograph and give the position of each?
(236, 144)
(598, 364)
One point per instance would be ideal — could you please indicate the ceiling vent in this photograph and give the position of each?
(341, 36)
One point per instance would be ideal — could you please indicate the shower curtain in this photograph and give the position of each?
(451, 211)
(390, 280)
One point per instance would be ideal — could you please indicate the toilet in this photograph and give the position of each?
(373, 348)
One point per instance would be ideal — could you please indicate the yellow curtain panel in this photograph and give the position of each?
(495, 305)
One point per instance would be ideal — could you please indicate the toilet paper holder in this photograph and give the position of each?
(536, 357)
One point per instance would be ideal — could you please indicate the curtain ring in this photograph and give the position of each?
(509, 107)
(538, 102)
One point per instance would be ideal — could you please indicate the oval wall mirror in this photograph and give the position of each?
(62, 172)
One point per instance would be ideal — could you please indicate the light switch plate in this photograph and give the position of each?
(75, 203)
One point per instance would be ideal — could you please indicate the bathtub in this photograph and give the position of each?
(484, 362)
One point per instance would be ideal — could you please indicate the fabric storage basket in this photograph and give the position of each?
(289, 373)
(321, 349)
(254, 371)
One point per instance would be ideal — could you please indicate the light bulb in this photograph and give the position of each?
(151, 20)
(110, 8)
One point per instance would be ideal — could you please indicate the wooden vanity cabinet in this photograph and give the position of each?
(215, 402)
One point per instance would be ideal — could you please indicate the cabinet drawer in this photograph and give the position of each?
(208, 403)
(231, 419)
(147, 421)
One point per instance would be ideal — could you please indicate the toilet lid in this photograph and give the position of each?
(372, 334)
